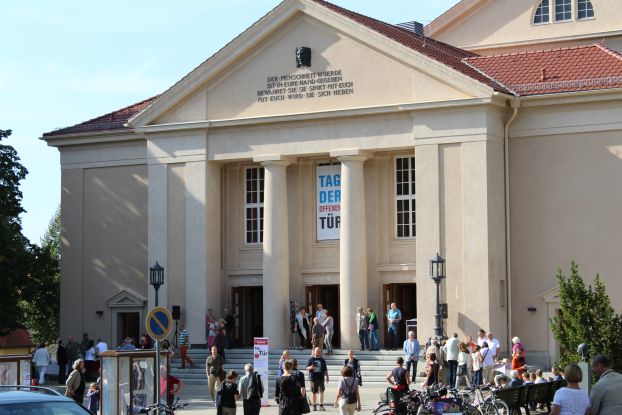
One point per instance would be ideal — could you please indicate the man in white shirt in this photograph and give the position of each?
(411, 354)
(452, 358)
(488, 363)
(100, 347)
(494, 346)
(481, 337)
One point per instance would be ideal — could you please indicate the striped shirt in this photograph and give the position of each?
(184, 337)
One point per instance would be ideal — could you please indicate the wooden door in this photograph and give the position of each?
(328, 296)
(405, 297)
(237, 308)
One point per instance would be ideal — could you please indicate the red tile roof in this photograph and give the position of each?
(439, 51)
(552, 71)
(15, 339)
(115, 120)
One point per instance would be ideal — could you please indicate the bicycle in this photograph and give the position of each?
(487, 405)
(433, 400)
(162, 408)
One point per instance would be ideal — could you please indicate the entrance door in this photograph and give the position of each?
(405, 297)
(328, 296)
(128, 325)
(248, 311)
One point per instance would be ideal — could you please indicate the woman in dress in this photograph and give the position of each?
(329, 326)
(431, 371)
(571, 400)
(75, 382)
(348, 388)
(289, 392)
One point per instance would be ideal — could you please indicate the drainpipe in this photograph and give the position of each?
(515, 103)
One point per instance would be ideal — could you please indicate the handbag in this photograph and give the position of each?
(304, 405)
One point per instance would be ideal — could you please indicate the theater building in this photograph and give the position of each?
(323, 156)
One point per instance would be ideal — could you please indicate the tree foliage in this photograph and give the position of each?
(28, 273)
(586, 316)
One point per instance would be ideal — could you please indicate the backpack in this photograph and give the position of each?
(255, 387)
(350, 393)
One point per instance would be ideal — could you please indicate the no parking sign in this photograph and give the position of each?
(159, 323)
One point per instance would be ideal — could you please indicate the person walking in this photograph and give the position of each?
(284, 357)
(462, 371)
(452, 347)
(329, 327)
(354, 364)
(303, 328)
(394, 316)
(184, 345)
(571, 400)
(214, 369)
(348, 397)
(251, 390)
(411, 353)
(318, 373)
(289, 392)
(211, 328)
(42, 360)
(362, 322)
(76, 382)
(228, 394)
(61, 359)
(317, 334)
(374, 342)
(605, 398)
(320, 313)
(169, 386)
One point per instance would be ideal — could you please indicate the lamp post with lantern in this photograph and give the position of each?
(437, 273)
(156, 279)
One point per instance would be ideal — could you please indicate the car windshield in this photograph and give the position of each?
(43, 408)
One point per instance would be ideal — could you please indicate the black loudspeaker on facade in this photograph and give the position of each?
(176, 314)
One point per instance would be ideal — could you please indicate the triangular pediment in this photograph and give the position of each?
(352, 66)
(126, 298)
(551, 296)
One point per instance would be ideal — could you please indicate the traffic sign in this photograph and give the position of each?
(159, 323)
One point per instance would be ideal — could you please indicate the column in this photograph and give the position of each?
(352, 246)
(275, 251)
(203, 223)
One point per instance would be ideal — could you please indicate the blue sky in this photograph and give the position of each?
(65, 62)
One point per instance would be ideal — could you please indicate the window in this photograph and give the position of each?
(542, 13)
(405, 199)
(254, 204)
(563, 10)
(584, 9)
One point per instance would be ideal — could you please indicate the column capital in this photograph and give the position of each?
(351, 154)
(274, 160)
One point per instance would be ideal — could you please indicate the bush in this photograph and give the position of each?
(586, 316)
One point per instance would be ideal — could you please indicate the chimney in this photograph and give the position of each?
(413, 26)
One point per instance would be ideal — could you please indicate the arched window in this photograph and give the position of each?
(584, 9)
(563, 10)
(542, 13)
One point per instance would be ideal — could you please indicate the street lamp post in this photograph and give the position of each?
(437, 273)
(156, 278)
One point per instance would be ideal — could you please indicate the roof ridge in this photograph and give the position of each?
(111, 113)
(495, 80)
(609, 51)
(533, 52)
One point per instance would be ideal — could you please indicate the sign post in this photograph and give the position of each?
(260, 362)
(159, 325)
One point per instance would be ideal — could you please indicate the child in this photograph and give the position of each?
(93, 397)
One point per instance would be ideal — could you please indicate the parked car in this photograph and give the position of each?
(36, 400)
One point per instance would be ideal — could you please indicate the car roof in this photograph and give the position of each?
(23, 396)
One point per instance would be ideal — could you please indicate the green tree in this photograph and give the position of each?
(586, 316)
(40, 304)
(14, 252)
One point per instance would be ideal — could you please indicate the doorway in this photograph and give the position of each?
(128, 325)
(247, 307)
(405, 297)
(328, 296)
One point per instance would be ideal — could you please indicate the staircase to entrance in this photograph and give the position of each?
(374, 365)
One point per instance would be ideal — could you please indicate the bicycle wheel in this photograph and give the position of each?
(381, 409)
(471, 410)
(488, 408)
(502, 407)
